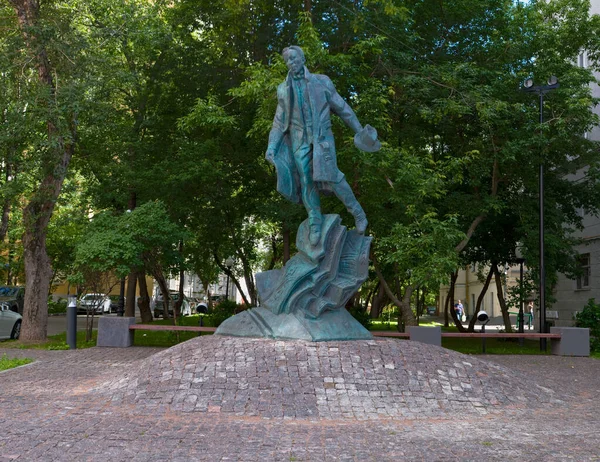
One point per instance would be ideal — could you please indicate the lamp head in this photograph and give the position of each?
(528, 83)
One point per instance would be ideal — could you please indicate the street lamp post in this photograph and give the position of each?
(541, 91)
(228, 264)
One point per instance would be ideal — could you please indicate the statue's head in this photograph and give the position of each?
(294, 58)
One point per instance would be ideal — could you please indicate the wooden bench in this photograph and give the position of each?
(533, 335)
(171, 328)
(566, 341)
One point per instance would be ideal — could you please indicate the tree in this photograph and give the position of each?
(48, 40)
(145, 238)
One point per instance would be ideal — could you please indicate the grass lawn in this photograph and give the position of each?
(9, 363)
(54, 342)
(495, 346)
(167, 339)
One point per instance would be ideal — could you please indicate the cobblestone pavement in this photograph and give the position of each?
(256, 400)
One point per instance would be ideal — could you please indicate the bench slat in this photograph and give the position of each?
(390, 333)
(499, 335)
(164, 327)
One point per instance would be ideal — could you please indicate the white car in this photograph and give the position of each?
(157, 304)
(94, 303)
(10, 323)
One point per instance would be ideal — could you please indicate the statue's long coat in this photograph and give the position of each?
(323, 99)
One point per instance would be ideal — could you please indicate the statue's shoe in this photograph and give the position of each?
(361, 222)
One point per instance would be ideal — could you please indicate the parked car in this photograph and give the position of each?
(157, 303)
(96, 303)
(14, 296)
(10, 322)
(114, 303)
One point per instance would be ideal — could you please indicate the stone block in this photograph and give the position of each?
(574, 341)
(114, 332)
(429, 335)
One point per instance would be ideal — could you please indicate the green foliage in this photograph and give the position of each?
(145, 235)
(361, 316)
(9, 363)
(590, 317)
(57, 307)
(54, 342)
(173, 102)
(221, 312)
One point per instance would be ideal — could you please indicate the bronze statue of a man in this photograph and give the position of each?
(301, 143)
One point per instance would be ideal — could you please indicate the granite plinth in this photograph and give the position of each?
(114, 332)
(349, 380)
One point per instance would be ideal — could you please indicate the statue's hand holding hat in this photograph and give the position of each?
(366, 139)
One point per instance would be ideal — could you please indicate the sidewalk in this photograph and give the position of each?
(87, 405)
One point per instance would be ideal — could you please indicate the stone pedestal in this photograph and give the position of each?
(114, 332)
(429, 335)
(305, 299)
(574, 341)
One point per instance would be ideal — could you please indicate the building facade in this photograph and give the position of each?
(468, 288)
(572, 294)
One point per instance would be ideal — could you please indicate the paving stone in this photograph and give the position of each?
(254, 400)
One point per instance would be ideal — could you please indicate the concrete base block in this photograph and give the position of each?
(574, 341)
(429, 335)
(114, 332)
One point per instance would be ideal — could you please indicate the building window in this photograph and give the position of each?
(581, 60)
(491, 313)
(583, 280)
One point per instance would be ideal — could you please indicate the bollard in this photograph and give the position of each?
(72, 323)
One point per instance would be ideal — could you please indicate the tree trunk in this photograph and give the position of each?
(369, 298)
(179, 303)
(37, 275)
(5, 208)
(455, 318)
(37, 213)
(206, 285)
(164, 289)
(379, 301)
(480, 300)
(131, 294)
(247, 275)
(449, 307)
(145, 311)
(500, 290)
(130, 300)
(406, 315)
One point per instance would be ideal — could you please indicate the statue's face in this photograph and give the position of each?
(294, 61)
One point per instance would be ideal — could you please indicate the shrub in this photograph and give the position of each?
(590, 317)
(58, 307)
(361, 316)
(221, 312)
